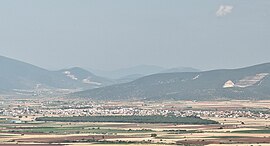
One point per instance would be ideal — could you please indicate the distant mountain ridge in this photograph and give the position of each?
(124, 72)
(24, 76)
(132, 73)
(180, 69)
(244, 83)
(84, 76)
(20, 77)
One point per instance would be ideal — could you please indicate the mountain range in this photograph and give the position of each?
(136, 72)
(178, 83)
(18, 76)
(21, 78)
(244, 83)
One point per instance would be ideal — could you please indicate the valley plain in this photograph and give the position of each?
(134, 72)
(59, 121)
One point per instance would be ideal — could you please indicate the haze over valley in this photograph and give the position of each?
(134, 72)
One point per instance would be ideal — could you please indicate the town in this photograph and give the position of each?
(84, 107)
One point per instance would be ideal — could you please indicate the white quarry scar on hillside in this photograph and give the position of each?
(86, 81)
(246, 81)
(68, 74)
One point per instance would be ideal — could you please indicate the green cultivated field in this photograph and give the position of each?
(131, 119)
(73, 130)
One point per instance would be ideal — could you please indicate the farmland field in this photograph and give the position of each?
(199, 125)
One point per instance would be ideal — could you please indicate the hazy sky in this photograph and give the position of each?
(111, 34)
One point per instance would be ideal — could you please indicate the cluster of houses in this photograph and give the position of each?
(91, 109)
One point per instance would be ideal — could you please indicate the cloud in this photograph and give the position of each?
(224, 10)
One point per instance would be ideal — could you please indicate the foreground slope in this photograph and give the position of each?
(244, 83)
